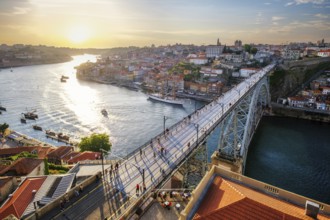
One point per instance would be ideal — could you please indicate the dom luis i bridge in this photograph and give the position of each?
(237, 113)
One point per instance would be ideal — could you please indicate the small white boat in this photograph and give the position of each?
(166, 99)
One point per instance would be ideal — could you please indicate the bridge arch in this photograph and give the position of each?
(238, 127)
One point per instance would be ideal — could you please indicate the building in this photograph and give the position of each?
(324, 53)
(24, 167)
(214, 51)
(34, 193)
(247, 72)
(223, 194)
(297, 101)
(238, 43)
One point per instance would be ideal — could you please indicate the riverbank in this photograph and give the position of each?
(12, 64)
(301, 113)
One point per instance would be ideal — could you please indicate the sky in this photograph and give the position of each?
(122, 23)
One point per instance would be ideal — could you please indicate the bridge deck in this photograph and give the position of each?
(178, 143)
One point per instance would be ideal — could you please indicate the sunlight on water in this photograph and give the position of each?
(81, 100)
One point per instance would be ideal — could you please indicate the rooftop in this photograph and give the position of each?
(226, 195)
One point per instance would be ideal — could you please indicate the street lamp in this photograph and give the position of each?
(103, 151)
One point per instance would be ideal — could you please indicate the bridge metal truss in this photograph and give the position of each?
(239, 125)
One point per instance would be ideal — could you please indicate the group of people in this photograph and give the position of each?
(66, 198)
(141, 189)
(113, 170)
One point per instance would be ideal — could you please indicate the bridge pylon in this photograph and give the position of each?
(239, 125)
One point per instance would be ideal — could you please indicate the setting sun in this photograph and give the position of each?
(79, 34)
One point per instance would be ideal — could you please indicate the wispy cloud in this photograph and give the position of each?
(267, 3)
(275, 19)
(299, 2)
(321, 16)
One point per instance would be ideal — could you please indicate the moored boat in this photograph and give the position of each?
(23, 120)
(36, 127)
(166, 99)
(30, 115)
(50, 133)
(2, 108)
(104, 112)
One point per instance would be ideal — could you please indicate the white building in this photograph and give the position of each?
(198, 60)
(247, 72)
(213, 51)
(324, 53)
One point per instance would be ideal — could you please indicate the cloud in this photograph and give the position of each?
(267, 3)
(299, 2)
(277, 18)
(321, 16)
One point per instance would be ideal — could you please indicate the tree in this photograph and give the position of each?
(254, 50)
(247, 47)
(95, 143)
(3, 127)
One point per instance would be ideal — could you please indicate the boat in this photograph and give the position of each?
(50, 133)
(63, 80)
(104, 113)
(36, 127)
(23, 120)
(30, 115)
(166, 99)
(2, 108)
(61, 136)
(64, 77)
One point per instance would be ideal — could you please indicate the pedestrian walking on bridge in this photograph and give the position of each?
(137, 188)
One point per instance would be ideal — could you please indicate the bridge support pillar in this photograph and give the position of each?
(195, 167)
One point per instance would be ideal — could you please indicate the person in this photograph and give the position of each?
(76, 192)
(66, 197)
(116, 167)
(81, 188)
(137, 188)
(110, 173)
(144, 187)
(62, 205)
(161, 150)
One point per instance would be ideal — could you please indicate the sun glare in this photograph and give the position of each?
(78, 35)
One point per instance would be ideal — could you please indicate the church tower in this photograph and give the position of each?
(218, 42)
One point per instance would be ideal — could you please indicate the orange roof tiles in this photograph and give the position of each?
(21, 198)
(40, 151)
(21, 167)
(230, 200)
(86, 155)
(60, 152)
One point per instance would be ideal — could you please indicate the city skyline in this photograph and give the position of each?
(104, 24)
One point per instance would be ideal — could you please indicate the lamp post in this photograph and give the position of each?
(103, 151)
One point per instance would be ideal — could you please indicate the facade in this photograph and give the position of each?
(213, 51)
(247, 72)
(297, 101)
(324, 53)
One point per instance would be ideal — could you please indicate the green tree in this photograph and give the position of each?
(95, 143)
(254, 50)
(3, 127)
(247, 47)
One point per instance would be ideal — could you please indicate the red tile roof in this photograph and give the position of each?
(21, 198)
(229, 200)
(86, 155)
(21, 167)
(41, 151)
(60, 152)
